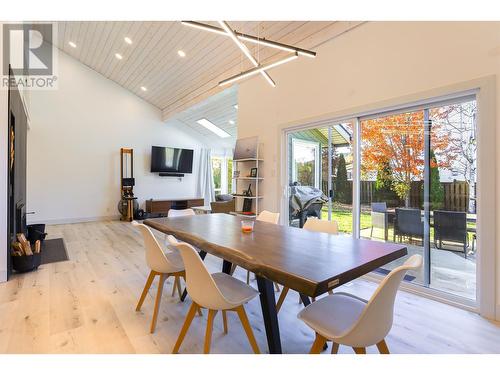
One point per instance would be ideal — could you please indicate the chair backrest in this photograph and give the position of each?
(155, 257)
(375, 321)
(176, 213)
(224, 207)
(325, 226)
(199, 282)
(269, 217)
(450, 225)
(409, 221)
(379, 206)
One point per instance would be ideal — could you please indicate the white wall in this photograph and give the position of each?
(376, 62)
(74, 147)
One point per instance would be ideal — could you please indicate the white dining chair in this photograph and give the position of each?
(324, 226)
(268, 217)
(161, 264)
(346, 319)
(177, 213)
(315, 225)
(215, 292)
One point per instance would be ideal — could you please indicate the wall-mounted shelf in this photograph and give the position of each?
(244, 166)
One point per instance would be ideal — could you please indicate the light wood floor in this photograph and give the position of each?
(86, 305)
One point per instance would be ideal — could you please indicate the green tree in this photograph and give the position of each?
(436, 195)
(342, 187)
(384, 185)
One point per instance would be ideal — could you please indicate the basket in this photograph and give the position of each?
(26, 263)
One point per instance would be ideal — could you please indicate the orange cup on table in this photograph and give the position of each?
(247, 226)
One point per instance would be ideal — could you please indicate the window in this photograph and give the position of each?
(217, 174)
(222, 171)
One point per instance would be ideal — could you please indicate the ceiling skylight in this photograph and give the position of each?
(213, 128)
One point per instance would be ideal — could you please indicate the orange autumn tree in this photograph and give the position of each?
(397, 141)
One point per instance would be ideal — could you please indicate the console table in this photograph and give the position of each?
(161, 206)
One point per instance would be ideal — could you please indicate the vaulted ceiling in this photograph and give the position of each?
(152, 61)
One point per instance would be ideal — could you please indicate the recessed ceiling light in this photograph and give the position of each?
(127, 40)
(213, 128)
(72, 44)
(181, 53)
(231, 122)
(235, 106)
(118, 56)
(144, 88)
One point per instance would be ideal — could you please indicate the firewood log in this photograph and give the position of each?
(25, 244)
(38, 246)
(17, 247)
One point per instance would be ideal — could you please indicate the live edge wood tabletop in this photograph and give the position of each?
(308, 262)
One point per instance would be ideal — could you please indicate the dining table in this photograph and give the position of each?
(308, 262)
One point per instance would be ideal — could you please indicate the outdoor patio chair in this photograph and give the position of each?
(379, 217)
(451, 226)
(408, 223)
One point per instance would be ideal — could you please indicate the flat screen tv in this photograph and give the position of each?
(171, 160)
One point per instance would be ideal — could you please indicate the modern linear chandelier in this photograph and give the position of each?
(238, 39)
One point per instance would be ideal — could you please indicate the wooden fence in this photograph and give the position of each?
(456, 194)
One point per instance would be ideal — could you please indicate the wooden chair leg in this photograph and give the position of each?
(224, 321)
(359, 350)
(248, 329)
(149, 281)
(335, 348)
(318, 344)
(174, 285)
(208, 334)
(179, 289)
(281, 298)
(185, 327)
(276, 285)
(382, 347)
(199, 311)
(157, 303)
(233, 268)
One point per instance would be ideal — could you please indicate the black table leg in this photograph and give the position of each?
(202, 254)
(226, 267)
(305, 299)
(268, 305)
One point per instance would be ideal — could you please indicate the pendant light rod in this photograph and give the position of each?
(257, 69)
(245, 50)
(251, 38)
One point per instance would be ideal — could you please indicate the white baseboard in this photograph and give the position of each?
(3, 276)
(74, 220)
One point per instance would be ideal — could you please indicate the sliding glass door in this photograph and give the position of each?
(406, 176)
(417, 187)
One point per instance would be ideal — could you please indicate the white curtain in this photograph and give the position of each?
(205, 187)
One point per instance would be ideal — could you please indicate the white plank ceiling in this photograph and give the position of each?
(176, 83)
